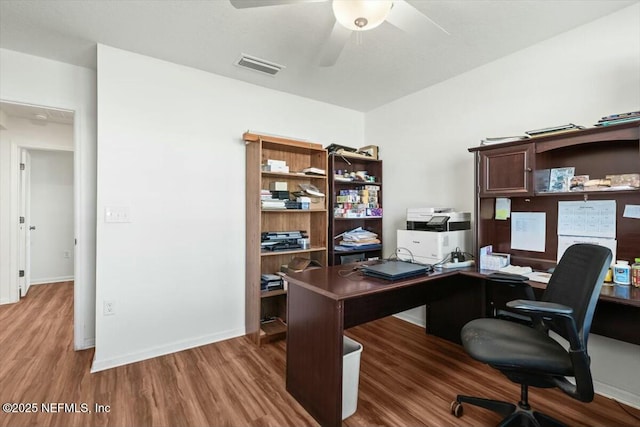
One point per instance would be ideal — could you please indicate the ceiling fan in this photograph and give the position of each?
(356, 15)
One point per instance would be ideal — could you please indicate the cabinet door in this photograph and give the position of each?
(507, 171)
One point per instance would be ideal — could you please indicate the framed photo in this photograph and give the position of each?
(559, 179)
(542, 178)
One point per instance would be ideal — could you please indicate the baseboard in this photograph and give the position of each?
(51, 280)
(416, 320)
(86, 344)
(615, 393)
(101, 365)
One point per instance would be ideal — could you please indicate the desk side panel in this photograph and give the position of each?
(462, 299)
(617, 321)
(314, 353)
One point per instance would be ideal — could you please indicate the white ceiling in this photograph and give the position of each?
(36, 114)
(385, 64)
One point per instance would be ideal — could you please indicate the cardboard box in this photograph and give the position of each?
(317, 203)
(278, 186)
(625, 180)
(299, 264)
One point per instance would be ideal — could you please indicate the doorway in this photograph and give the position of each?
(39, 190)
(49, 241)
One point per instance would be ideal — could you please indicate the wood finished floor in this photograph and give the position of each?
(407, 379)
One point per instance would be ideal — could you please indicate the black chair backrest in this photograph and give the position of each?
(576, 282)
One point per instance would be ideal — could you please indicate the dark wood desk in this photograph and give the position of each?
(324, 302)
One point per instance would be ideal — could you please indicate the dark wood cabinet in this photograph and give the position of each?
(506, 171)
(365, 212)
(502, 170)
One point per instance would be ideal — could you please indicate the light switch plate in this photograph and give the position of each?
(117, 214)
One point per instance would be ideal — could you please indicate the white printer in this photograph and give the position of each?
(433, 233)
(437, 219)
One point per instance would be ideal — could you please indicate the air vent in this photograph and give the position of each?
(259, 65)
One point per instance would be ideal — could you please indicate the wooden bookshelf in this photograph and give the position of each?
(298, 155)
(337, 224)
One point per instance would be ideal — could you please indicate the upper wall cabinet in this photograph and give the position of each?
(507, 171)
(517, 169)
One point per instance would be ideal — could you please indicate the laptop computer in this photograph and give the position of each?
(394, 270)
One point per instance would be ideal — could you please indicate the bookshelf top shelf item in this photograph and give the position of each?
(281, 143)
(621, 132)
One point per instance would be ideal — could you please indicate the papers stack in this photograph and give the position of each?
(313, 171)
(569, 127)
(358, 239)
(614, 119)
(268, 202)
(503, 139)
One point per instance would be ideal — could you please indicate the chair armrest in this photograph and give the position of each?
(540, 307)
(554, 311)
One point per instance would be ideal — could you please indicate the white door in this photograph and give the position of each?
(24, 236)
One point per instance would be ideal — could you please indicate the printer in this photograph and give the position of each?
(437, 219)
(432, 234)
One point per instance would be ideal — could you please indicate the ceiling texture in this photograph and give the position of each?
(374, 68)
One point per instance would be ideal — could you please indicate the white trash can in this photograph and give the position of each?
(351, 351)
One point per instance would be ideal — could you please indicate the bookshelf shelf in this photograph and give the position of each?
(293, 252)
(285, 211)
(268, 294)
(272, 330)
(585, 193)
(294, 175)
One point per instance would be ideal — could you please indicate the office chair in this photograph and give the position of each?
(527, 355)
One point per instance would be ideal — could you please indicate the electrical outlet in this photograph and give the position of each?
(109, 308)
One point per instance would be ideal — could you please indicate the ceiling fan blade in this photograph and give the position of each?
(410, 19)
(334, 45)
(245, 4)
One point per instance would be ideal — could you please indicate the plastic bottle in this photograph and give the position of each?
(635, 273)
(609, 277)
(622, 273)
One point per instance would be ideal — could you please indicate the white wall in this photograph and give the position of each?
(170, 150)
(576, 77)
(52, 214)
(7, 294)
(33, 80)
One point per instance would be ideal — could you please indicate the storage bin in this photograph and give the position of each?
(351, 351)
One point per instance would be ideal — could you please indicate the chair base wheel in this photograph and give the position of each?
(514, 415)
(457, 409)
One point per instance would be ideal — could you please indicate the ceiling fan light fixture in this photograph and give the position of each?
(361, 15)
